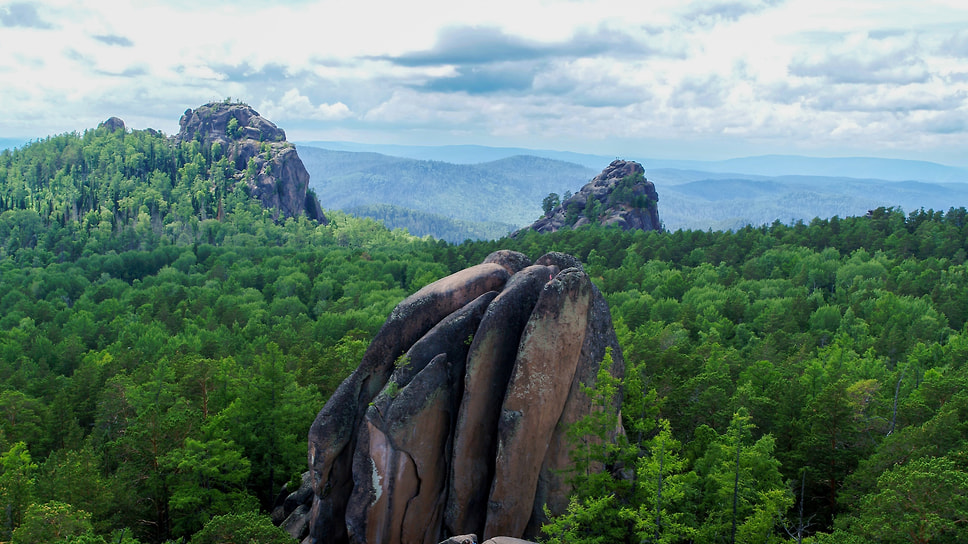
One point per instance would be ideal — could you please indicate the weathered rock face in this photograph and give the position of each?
(454, 422)
(266, 162)
(622, 195)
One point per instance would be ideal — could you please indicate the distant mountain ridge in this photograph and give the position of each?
(764, 165)
(11, 143)
(508, 191)
(695, 194)
(732, 203)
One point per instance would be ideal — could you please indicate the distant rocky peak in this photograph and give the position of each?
(227, 121)
(619, 196)
(112, 124)
(263, 159)
(617, 170)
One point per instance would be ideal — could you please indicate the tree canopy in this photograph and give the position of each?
(165, 345)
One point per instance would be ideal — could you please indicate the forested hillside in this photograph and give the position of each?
(504, 194)
(161, 361)
(701, 200)
(436, 226)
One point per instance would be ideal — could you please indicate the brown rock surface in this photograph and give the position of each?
(462, 435)
(333, 432)
(489, 366)
(536, 395)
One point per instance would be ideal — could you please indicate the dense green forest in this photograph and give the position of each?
(428, 224)
(164, 347)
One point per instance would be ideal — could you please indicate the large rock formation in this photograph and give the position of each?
(454, 422)
(265, 161)
(619, 196)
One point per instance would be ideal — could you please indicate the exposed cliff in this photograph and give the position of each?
(620, 196)
(264, 160)
(455, 421)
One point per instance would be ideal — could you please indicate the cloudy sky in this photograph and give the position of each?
(655, 78)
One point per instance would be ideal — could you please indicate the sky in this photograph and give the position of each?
(710, 79)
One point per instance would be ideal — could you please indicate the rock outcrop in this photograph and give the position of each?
(264, 160)
(454, 422)
(112, 124)
(619, 196)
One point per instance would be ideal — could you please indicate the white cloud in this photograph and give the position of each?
(797, 74)
(293, 105)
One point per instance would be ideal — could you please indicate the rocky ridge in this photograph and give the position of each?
(455, 421)
(619, 196)
(263, 159)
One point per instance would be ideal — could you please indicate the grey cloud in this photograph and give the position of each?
(590, 89)
(785, 92)
(77, 56)
(884, 33)
(485, 80)
(596, 93)
(483, 45)
(610, 98)
(819, 96)
(245, 72)
(706, 92)
(111, 39)
(957, 45)
(131, 71)
(956, 77)
(947, 123)
(23, 14)
(709, 13)
(849, 100)
(897, 67)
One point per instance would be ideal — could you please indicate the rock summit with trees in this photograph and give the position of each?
(263, 159)
(619, 196)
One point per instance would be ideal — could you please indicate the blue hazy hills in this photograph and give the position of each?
(499, 189)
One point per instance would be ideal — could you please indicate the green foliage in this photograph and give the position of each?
(627, 193)
(206, 478)
(744, 496)
(233, 129)
(243, 528)
(16, 486)
(595, 520)
(403, 361)
(438, 226)
(160, 366)
(549, 203)
(54, 522)
(923, 500)
(74, 477)
(665, 488)
(594, 435)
